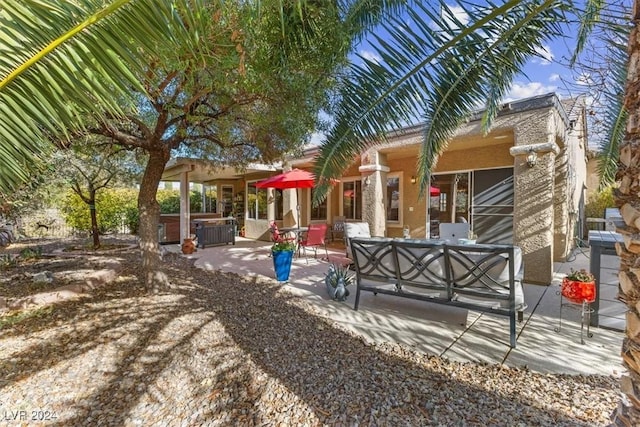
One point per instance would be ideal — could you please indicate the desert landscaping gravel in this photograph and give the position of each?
(219, 350)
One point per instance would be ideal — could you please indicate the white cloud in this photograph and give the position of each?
(371, 56)
(554, 77)
(527, 90)
(460, 14)
(545, 56)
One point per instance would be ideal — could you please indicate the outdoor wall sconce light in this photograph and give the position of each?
(532, 158)
(367, 181)
(413, 179)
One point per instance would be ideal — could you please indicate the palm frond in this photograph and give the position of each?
(589, 18)
(65, 60)
(437, 66)
(615, 115)
(480, 70)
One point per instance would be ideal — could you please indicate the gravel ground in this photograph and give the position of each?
(220, 349)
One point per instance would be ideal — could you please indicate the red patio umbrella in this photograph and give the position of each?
(295, 178)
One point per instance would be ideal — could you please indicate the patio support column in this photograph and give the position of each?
(533, 212)
(203, 195)
(374, 181)
(271, 205)
(184, 206)
(289, 204)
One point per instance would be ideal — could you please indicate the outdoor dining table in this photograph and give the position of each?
(600, 243)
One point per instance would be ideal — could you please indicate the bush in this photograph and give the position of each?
(114, 208)
(597, 203)
(169, 201)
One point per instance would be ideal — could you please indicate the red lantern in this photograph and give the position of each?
(578, 292)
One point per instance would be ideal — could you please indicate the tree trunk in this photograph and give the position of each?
(94, 220)
(149, 218)
(628, 412)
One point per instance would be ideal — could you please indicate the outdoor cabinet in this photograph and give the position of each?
(210, 232)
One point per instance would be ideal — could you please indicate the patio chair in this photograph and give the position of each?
(337, 228)
(355, 229)
(314, 239)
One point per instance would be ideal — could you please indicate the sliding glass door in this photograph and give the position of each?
(483, 198)
(492, 208)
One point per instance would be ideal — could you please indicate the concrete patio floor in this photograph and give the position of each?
(453, 333)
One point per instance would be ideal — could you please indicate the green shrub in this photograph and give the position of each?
(113, 209)
(7, 261)
(597, 203)
(169, 201)
(132, 219)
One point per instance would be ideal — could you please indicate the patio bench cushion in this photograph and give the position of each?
(421, 267)
(355, 229)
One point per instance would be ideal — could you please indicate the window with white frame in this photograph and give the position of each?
(318, 213)
(227, 200)
(256, 201)
(352, 199)
(394, 198)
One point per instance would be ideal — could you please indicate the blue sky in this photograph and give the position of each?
(543, 74)
(548, 72)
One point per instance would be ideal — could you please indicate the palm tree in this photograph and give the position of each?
(442, 68)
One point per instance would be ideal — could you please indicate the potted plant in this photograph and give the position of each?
(282, 254)
(579, 286)
(337, 280)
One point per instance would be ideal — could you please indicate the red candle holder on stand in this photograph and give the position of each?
(579, 288)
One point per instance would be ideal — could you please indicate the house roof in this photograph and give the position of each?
(202, 170)
(547, 100)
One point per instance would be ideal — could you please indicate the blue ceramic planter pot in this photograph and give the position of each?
(282, 264)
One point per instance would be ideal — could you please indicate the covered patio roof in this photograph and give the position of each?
(204, 171)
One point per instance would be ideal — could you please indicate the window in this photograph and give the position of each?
(319, 212)
(256, 202)
(279, 203)
(352, 199)
(394, 201)
(227, 200)
(211, 199)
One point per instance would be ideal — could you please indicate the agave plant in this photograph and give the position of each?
(337, 280)
(581, 276)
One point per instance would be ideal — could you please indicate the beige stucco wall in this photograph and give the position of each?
(571, 178)
(533, 214)
(493, 156)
